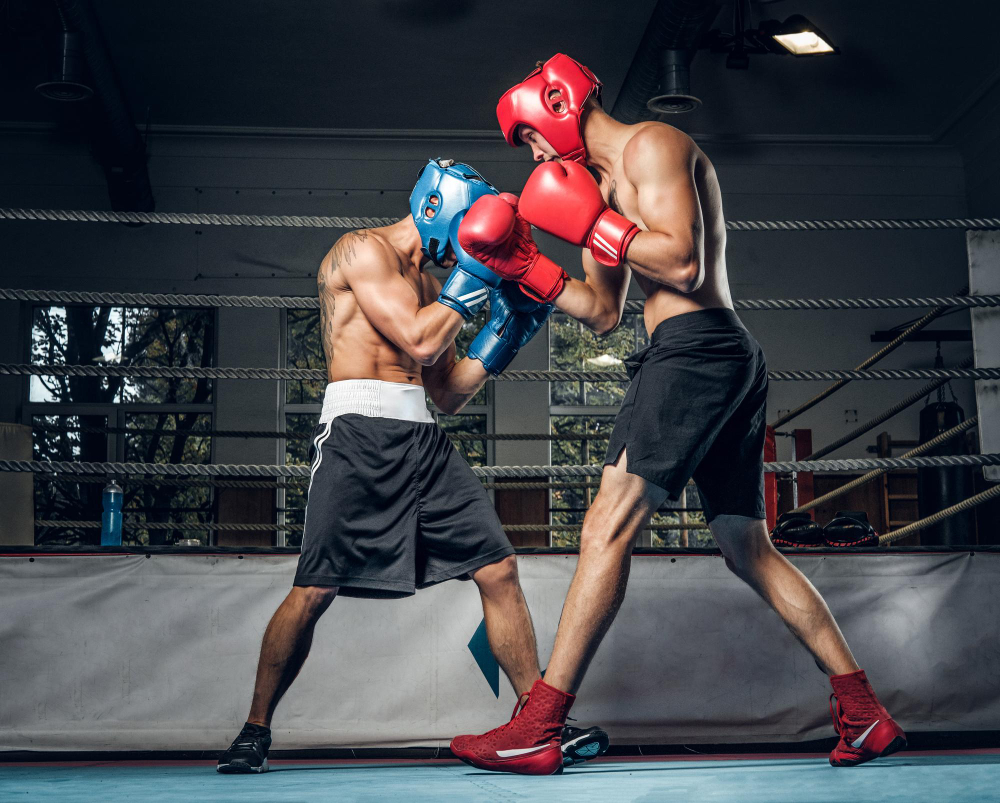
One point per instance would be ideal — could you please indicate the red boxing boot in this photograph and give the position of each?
(865, 728)
(530, 743)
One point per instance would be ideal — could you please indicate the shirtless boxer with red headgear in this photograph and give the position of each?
(698, 410)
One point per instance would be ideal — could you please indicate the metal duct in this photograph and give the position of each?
(675, 85)
(68, 83)
(676, 25)
(117, 144)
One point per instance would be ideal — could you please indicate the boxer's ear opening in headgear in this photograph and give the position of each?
(551, 100)
(556, 102)
(442, 195)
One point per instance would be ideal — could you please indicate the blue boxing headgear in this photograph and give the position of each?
(448, 188)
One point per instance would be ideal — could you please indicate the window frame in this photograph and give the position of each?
(116, 413)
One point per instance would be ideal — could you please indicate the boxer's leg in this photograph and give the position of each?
(508, 623)
(620, 510)
(751, 557)
(285, 647)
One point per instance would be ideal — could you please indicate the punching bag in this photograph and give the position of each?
(938, 488)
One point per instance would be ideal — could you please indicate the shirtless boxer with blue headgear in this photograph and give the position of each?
(392, 506)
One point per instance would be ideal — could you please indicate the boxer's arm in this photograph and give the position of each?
(389, 302)
(450, 384)
(660, 164)
(598, 301)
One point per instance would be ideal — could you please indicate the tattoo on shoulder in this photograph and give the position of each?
(345, 248)
(613, 198)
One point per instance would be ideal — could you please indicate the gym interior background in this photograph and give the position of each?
(228, 118)
(205, 107)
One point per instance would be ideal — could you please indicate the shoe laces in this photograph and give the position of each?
(243, 744)
(522, 701)
(835, 714)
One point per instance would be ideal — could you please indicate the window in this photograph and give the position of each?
(117, 419)
(574, 347)
(167, 438)
(587, 409)
(86, 335)
(568, 505)
(304, 349)
(691, 513)
(68, 437)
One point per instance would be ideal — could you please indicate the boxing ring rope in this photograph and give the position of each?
(513, 472)
(895, 343)
(304, 436)
(923, 448)
(183, 300)
(324, 222)
(68, 524)
(213, 482)
(318, 374)
(211, 473)
(961, 507)
(884, 416)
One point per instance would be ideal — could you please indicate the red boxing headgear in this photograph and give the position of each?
(529, 103)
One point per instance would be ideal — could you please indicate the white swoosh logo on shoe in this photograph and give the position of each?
(520, 751)
(861, 739)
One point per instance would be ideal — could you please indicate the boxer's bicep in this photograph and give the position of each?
(668, 202)
(387, 300)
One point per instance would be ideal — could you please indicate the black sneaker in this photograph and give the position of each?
(248, 752)
(583, 744)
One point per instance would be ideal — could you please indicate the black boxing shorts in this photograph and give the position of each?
(392, 505)
(696, 408)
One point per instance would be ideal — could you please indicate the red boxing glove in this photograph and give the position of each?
(494, 234)
(563, 199)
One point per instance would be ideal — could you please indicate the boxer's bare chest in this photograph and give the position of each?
(621, 195)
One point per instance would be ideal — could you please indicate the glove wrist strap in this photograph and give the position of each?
(544, 280)
(464, 293)
(610, 238)
(492, 351)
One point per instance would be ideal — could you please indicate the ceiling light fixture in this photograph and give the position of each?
(796, 36)
(799, 36)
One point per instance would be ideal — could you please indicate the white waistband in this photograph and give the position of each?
(375, 399)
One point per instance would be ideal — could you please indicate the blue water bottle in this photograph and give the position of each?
(111, 521)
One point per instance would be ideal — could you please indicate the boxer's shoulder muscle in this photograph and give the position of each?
(656, 149)
(361, 249)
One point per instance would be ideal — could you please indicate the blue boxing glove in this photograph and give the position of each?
(468, 287)
(514, 320)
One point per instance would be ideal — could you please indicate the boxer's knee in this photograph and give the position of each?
(606, 528)
(498, 576)
(744, 543)
(313, 600)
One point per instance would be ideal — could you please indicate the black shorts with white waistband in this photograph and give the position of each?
(696, 408)
(393, 507)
